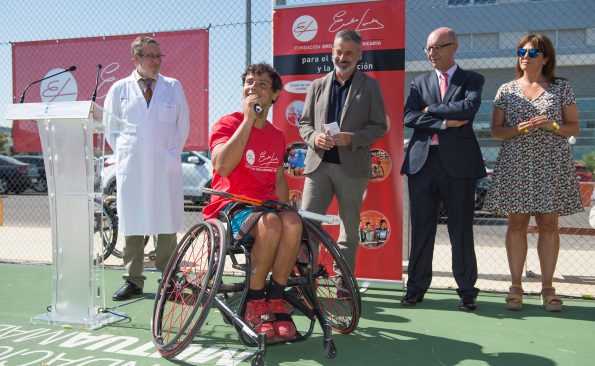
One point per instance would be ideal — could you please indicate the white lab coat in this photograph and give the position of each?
(148, 163)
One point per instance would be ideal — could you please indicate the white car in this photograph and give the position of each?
(197, 173)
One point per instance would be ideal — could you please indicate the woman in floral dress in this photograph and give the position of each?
(534, 174)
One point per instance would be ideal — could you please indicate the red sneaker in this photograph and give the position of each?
(259, 316)
(283, 324)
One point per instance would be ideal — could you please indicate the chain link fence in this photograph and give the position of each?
(240, 32)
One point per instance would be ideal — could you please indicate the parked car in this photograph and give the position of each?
(583, 173)
(16, 176)
(481, 190)
(42, 184)
(197, 173)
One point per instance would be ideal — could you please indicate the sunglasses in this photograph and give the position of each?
(533, 53)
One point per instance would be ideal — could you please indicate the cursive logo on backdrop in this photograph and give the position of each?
(341, 20)
(106, 78)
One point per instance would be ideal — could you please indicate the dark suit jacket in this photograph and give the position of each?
(459, 150)
(363, 115)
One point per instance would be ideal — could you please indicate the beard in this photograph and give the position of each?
(345, 69)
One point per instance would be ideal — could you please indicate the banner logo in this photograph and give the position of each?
(343, 20)
(61, 88)
(304, 28)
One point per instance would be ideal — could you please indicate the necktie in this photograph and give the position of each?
(443, 87)
(147, 91)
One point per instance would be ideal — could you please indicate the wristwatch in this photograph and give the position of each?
(556, 126)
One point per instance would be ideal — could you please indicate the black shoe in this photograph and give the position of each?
(126, 291)
(343, 292)
(467, 303)
(411, 298)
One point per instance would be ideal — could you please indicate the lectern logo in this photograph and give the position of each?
(60, 88)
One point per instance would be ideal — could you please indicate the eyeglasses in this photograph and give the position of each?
(533, 53)
(437, 47)
(154, 57)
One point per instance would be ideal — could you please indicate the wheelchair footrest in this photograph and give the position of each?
(240, 267)
(231, 287)
(297, 281)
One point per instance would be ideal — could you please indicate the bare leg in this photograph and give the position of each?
(289, 246)
(267, 234)
(548, 246)
(516, 245)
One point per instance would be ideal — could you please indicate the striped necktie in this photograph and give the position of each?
(147, 91)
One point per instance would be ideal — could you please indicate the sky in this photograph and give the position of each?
(34, 20)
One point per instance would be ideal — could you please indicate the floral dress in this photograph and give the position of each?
(534, 172)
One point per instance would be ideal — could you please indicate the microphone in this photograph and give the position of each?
(258, 109)
(71, 68)
(94, 96)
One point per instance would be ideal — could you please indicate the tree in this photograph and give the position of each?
(589, 160)
(3, 141)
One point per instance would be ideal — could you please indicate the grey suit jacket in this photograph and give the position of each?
(363, 115)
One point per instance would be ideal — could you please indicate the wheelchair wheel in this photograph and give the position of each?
(149, 249)
(118, 248)
(337, 294)
(188, 287)
(106, 230)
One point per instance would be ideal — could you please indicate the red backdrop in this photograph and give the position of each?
(302, 45)
(186, 59)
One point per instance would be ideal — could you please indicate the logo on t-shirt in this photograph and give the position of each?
(263, 162)
(250, 157)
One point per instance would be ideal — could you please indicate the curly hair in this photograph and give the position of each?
(263, 68)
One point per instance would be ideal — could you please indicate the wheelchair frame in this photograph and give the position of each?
(192, 283)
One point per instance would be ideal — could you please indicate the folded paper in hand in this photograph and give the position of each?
(332, 128)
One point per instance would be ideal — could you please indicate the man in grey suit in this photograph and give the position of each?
(443, 162)
(338, 162)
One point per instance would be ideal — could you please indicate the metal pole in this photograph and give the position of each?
(248, 32)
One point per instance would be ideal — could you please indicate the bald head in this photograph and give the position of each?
(441, 48)
(443, 33)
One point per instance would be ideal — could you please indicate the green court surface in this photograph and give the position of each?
(435, 332)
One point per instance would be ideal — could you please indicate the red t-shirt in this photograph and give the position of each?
(255, 174)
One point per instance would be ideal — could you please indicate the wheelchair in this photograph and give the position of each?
(321, 288)
(105, 227)
(112, 245)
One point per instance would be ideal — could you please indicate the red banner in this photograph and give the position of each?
(302, 46)
(186, 59)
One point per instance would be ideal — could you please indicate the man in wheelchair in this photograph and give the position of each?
(247, 155)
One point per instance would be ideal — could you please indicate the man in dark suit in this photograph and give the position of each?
(338, 162)
(442, 162)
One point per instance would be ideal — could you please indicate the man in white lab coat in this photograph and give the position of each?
(149, 169)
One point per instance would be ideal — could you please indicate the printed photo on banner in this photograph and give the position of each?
(295, 199)
(294, 112)
(295, 159)
(374, 229)
(381, 164)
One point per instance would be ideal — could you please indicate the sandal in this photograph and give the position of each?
(551, 302)
(514, 301)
